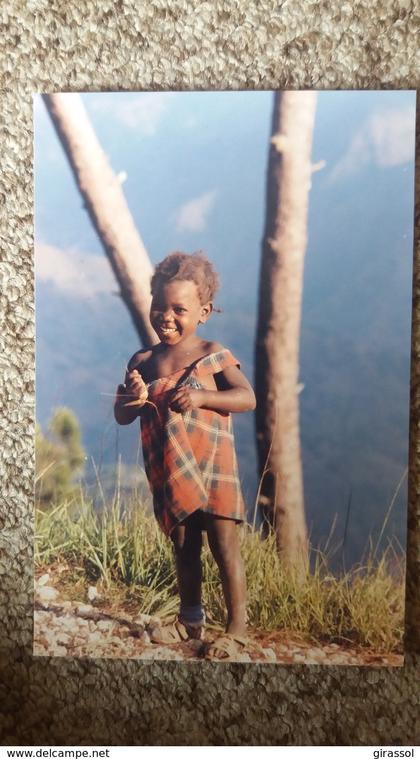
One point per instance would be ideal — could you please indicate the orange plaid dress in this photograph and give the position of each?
(189, 457)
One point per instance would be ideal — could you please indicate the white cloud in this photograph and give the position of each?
(141, 111)
(385, 139)
(72, 272)
(393, 137)
(192, 216)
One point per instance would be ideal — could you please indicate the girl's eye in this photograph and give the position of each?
(179, 310)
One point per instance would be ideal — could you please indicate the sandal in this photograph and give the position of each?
(227, 647)
(177, 632)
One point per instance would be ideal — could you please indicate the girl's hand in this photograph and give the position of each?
(186, 398)
(136, 389)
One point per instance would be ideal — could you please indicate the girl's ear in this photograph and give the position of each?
(205, 312)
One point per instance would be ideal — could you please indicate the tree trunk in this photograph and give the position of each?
(107, 207)
(277, 349)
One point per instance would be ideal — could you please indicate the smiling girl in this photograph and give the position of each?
(192, 386)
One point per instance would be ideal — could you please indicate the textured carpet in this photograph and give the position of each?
(55, 46)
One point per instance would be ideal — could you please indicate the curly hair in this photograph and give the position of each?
(194, 267)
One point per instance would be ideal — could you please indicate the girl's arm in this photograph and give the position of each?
(234, 394)
(133, 389)
(124, 414)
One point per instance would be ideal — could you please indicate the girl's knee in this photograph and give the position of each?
(221, 547)
(187, 547)
(223, 541)
(178, 537)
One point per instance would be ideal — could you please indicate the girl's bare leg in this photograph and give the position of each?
(187, 543)
(223, 540)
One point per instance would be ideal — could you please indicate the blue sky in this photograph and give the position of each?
(192, 167)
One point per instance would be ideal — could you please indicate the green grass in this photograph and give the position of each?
(123, 547)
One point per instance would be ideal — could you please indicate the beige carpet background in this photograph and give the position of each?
(163, 44)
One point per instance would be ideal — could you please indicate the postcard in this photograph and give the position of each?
(223, 316)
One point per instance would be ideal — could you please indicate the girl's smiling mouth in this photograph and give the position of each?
(167, 330)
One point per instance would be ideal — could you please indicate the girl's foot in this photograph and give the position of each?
(177, 632)
(227, 647)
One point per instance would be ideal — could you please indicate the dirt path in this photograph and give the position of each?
(71, 628)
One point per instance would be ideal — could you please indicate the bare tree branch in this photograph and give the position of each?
(278, 332)
(107, 207)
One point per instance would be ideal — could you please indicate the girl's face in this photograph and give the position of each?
(176, 311)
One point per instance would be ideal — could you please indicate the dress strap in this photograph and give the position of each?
(215, 362)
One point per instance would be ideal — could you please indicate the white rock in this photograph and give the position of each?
(43, 579)
(84, 609)
(299, 658)
(46, 593)
(70, 622)
(269, 654)
(93, 593)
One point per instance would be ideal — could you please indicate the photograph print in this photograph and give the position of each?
(223, 328)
